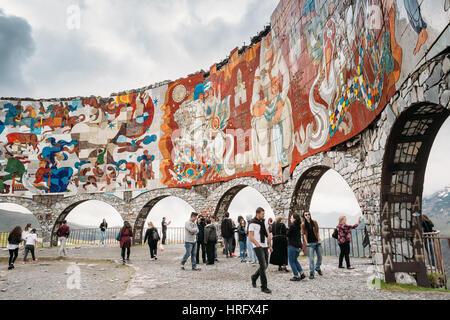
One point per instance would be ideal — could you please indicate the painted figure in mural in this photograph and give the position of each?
(15, 169)
(200, 146)
(270, 97)
(58, 176)
(146, 168)
(295, 47)
(415, 19)
(240, 93)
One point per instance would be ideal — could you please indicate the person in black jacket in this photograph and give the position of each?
(14, 239)
(103, 227)
(210, 240)
(242, 233)
(428, 227)
(227, 234)
(279, 256)
(201, 239)
(294, 247)
(153, 237)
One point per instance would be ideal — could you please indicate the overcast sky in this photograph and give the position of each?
(123, 45)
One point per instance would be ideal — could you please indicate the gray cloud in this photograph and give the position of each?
(17, 46)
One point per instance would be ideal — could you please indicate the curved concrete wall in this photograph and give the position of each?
(320, 76)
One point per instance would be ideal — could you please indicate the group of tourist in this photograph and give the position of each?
(28, 236)
(259, 239)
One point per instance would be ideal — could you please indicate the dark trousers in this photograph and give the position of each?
(228, 242)
(345, 252)
(123, 253)
(13, 255)
(29, 248)
(210, 251)
(263, 258)
(201, 244)
(233, 245)
(153, 245)
(164, 232)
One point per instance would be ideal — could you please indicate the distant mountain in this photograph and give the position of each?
(437, 208)
(10, 219)
(330, 219)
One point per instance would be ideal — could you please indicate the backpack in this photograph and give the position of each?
(335, 233)
(212, 236)
(227, 228)
(155, 235)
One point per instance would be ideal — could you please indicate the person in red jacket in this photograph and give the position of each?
(63, 233)
(125, 240)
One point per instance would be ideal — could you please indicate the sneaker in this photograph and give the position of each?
(302, 276)
(319, 272)
(196, 269)
(11, 267)
(295, 279)
(341, 267)
(123, 262)
(311, 275)
(209, 264)
(24, 262)
(156, 258)
(350, 268)
(35, 260)
(253, 282)
(266, 290)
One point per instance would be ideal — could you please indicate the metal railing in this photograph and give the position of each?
(174, 235)
(4, 240)
(91, 236)
(434, 261)
(331, 247)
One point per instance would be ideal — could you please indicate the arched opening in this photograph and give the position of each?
(84, 218)
(436, 199)
(246, 201)
(325, 193)
(174, 209)
(12, 215)
(333, 197)
(304, 189)
(405, 160)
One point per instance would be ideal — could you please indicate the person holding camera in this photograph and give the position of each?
(201, 239)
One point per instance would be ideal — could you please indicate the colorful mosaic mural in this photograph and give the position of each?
(318, 77)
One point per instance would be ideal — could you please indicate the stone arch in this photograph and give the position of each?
(41, 207)
(69, 203)
(146, 201)
(304, 189)
(404, 164)
(411, 122)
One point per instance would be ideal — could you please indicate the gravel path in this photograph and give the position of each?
(105, 278)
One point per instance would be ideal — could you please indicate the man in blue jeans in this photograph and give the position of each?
(190, 241)
(310, 231)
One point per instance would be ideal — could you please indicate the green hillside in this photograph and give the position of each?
(10, 219)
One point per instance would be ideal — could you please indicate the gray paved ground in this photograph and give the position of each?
(105, 278)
